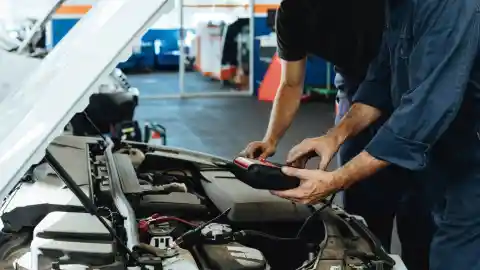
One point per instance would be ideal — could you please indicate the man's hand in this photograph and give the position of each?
(260, 149)
(285, 106)
(315, 185)
(325, 147)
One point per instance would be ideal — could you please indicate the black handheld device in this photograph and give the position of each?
(261, 174)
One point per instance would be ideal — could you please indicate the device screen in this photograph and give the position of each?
(247, 162)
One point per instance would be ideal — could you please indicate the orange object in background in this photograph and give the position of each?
(269, 86)
(227, 73)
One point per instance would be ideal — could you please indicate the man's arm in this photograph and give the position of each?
(358, 117)
(440, 66)
(292, 52)
(287, 100)
(371, 100)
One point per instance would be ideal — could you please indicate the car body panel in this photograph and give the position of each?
(37, 111)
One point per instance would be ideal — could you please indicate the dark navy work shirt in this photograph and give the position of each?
(427, 79)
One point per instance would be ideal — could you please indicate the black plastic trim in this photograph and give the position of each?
(77, 237)
(29, 216)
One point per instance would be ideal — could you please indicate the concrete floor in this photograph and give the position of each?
(224, 126)
(166, 83)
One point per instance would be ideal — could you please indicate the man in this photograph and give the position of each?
(426, 80)
(350, 41)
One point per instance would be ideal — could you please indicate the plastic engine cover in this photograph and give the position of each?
(233, 256)
(248, 204)
(183, 261)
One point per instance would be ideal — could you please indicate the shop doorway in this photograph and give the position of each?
(214, 52)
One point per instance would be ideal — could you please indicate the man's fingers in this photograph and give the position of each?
(247, 152)
(291, 194)
(299, 173)
(324, 164)
(251, 150)
(243, 153)
(290, 171)
(265, 154)
(295, 154)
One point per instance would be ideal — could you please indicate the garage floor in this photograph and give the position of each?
(166, 83)
(224, 126)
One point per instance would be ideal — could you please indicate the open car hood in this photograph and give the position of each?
(30, 34)
(37, 101)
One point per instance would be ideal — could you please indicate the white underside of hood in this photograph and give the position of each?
(38, 98)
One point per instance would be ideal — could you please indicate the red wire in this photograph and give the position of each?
(156, 218)
(167, 218)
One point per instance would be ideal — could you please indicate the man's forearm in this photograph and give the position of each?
(360, 167)
(359, 117)
(285, 107)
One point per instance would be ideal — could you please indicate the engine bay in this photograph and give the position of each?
(156, 207)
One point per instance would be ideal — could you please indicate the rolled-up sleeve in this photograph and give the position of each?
(375, 89)
(446, 46)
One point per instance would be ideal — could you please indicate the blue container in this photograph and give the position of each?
(166, 46)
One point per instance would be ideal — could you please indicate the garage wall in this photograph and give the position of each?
(261, 8)
(13, 10)
(319, 74)
(194, 11)
(166, 29)
(261, 31)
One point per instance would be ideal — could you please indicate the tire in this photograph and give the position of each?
(12, 247)
(15, 245)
